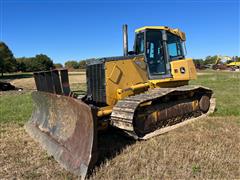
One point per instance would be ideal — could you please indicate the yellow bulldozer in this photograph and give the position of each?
(143, 93)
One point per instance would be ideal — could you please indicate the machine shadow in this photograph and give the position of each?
(110, 144)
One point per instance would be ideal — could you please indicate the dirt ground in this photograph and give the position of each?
(204, 149)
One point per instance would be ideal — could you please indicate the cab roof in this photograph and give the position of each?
(176, 31)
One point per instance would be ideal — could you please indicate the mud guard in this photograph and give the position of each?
(66, 128)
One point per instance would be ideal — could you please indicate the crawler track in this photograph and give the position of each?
(174, 101)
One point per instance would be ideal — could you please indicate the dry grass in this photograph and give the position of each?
(75, 78)
(201, 73)
(25, 83)
(22, 158)
(204, 149)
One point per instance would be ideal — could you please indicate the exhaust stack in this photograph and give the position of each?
(125, 40)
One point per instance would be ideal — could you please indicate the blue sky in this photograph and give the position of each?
(74, 30)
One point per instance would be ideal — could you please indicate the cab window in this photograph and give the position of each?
(175, 49)
(154, 53)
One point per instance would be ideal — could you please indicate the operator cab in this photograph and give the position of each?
(160, 45)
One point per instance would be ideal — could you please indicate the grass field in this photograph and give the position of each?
(207, 149)
(226, 87)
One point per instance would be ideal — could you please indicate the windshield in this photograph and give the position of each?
(175, 48)
(154, 52)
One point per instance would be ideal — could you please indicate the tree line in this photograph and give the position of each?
(75, 64)
(210, 60)
(40, 62)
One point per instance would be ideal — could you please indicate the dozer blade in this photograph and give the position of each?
(66, 128)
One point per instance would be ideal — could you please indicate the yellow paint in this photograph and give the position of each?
(188, 65)
(177, 32)
(104, 111)
(122, 74)
(116, 74)
(178, 78)
(135, 89)
(129, 77)
(234, 64)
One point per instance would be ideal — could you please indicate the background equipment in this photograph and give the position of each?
(226, 63)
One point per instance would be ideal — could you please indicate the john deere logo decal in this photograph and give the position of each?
(182, 70)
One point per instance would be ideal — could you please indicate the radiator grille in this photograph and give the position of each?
(96, 82)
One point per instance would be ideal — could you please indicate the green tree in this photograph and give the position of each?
(7, 60)
(40, 62)
(72, 64)
(21, 64)
(211, 59)
(198, 61)
(26, 64)
(58, 65)
(82, 64)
